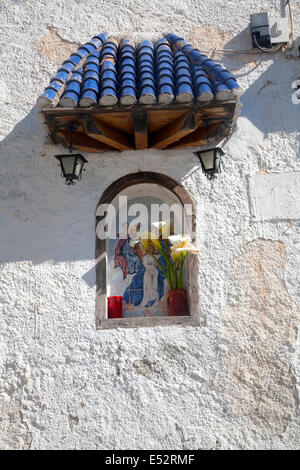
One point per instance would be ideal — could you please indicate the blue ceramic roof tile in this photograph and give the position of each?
(104, 72)
(183, 78)
(90, 80)
(146, 73)
(164, 67)
(71, 94)
(127, 86)
(108, 73)
(224, 85)
(202, 84)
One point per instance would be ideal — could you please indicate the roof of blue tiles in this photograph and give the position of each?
(105, 72)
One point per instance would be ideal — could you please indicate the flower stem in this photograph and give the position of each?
(169, 265)
(163, 253)
(175, 274)
(182, 258)
(169, 277)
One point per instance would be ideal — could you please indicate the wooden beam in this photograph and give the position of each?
(197, 138)
(174, 131)
(158, 120)
(140, 121)
(107, 134)
(120, 128)
(212, 108)
(80, 141)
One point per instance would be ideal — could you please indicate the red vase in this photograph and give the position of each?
(177, 303)
(114, 306)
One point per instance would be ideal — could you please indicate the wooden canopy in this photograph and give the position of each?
(175, 126)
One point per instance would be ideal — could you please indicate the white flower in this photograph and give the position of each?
(181, 244)
(186, 247)
(177, 240)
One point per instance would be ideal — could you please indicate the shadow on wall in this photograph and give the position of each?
(42, 219)
(267, 102)
(267, 99)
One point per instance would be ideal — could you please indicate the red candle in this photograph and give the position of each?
(114, 306)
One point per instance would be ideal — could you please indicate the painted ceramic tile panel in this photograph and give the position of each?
(132, 273)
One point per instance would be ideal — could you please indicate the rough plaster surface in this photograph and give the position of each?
(257, 336)
(276, 195)
(232, 383)
(209, 37)
(54, 48)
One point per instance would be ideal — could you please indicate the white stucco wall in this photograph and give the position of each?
(231, 383)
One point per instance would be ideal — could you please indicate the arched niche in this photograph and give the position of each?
(151, 187)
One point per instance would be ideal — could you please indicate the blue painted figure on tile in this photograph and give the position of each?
(147, 282)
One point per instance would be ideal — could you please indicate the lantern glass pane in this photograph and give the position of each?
(217, 161)
(78, 168)
(208, 159)
(68, 165)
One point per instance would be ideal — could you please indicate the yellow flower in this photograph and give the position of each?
(143, 235)
(156, 243)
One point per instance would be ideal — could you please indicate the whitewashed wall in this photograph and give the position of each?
(229, 384)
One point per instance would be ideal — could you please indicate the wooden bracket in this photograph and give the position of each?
(174, 131)
(197, 138)
(107, 134)
(81, 141)
(140, 121)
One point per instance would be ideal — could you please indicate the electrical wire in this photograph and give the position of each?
(278, 47)
(262, 49)
(291, 23)
(243, 51)
(265, 49)
(229, 51)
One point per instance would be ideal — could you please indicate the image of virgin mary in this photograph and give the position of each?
(147, 284)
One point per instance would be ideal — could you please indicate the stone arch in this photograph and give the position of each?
(108, 197)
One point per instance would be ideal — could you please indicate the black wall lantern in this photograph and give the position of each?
(210, 161)
(71, 164)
